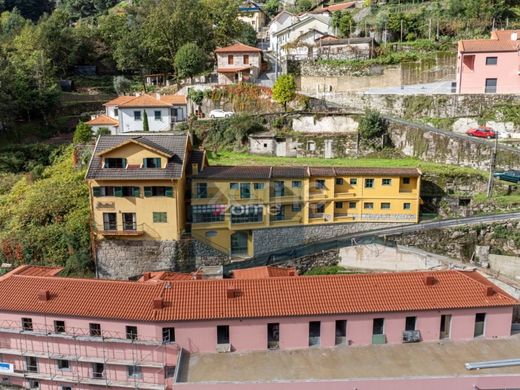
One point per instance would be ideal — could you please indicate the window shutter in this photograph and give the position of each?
(145, 163)
(118, 191)
(168, 191)
(147, 191)
(135, 191)
(124, 162)
(157, 162)
(96, 191)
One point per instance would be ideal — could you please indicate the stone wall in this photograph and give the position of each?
(505, 265)
(274, 239)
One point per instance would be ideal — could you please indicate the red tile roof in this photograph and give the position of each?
(252, 298)
(336, 7)
(263, 272)
(238, 48)
(174, 99)
(103, 120)
(500, 42)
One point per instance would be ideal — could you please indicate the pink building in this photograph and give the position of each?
(67, 333)
(489, 65)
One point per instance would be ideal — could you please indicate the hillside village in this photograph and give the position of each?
(217, 194)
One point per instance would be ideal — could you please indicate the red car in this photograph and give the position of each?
(482, 132)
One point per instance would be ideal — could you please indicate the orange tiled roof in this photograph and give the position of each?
(336, 7)
(118, 100)
(500, 41)
(263, 272)
(238, 48)
(174, 99)
(144, 101)
(158, 277)
(103, 120)
(250, 298)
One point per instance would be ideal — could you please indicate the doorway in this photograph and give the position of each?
(129, 221)
(328, 149)
(239, 244)
(445, 326)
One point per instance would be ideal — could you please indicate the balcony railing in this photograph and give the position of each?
(282, 218)
(125, 229)
(316, 215)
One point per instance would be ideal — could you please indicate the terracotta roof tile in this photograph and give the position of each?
(336, 7)
(263, 272)
(500, 41)
(103, 120)
(119, 100)
(256, 298)
(238, 48)
(144, 101)
(176, 100)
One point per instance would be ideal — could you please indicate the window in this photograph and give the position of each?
(202, 190)
(113, 162)
(59, 326)
(129, 221)
(158, 191)
(169, 371)
(258, 186)
(320, 184)
(265, 145)
(339, 205)
(352, 205)
(234, 186)
(98, 370)
(339, 181)
(406, 180)
(378, 326)
(314, 333)
(211, 233)
(208, 213)
(116, 112)
(230, 59)
(385, 206)
(109, 221)
(131, 332)
(368, 205)
(152, 162)
(279, 188)
(296, 184)
(65, 387)
(369, 183)
(341, 332)
(296, 207)
(115, 191)
(137, 115)
(127, 191)
(222, 334)
(160, 217)
(245, 190)
(273, 335)
(491, 60)
(63, 364)
(33, 384)
(134, 371)
(407, 206)
(31, 364)
(410, 323)
(279, 212)
(491, 86)
(311, 146)
(157, 115)
(353, 181)
(387, 182)
(480, 321)
(246, 59)
(95, 329)
(247, 214)
(27, 324)
(168, 335)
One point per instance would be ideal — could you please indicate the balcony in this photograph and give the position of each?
(281, 219)
(345, 216)
(123, 230)
(286, 194)
(318, 193)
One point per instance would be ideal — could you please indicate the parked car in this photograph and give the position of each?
(503, 134)
(482, 132)
(512, 176)
(219, 113)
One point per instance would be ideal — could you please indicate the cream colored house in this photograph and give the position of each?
(251, 13)
(238, 63)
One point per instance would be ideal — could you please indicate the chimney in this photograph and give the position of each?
(137, 94)
(198, 275)
(146, 276)
(44, 295)
(292, 272)
(514, 36)
(490, 291)
(429, 280)
(233, 292)
(158, 96)
(158, 303)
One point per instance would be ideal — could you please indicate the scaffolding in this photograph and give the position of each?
(79, 346)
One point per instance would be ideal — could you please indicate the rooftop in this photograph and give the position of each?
(392, 361)
(263, 272)
(238, 48)
(268, 172)
(500, 41)
(168, 144)
(147, 101)
(336, 7)
(103, 120)
(184, 300)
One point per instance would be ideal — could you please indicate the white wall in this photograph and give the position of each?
(128, 124)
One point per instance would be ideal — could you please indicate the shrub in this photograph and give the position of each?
(284, 90)
(372, 125)
(103, 131)
(82, 134)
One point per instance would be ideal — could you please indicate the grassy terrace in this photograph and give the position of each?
(233, 158)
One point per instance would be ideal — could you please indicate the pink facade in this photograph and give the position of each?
(489, 66)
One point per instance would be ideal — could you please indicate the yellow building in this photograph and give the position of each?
(138, 184)
(230, 203)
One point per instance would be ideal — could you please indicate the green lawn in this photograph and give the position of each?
(233, 158)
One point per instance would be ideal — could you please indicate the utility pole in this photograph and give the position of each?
(492, 164)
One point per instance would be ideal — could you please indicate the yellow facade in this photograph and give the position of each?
(298, 201)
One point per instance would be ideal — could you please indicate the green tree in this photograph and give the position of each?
(82, 134)
(284, 90)
(272, 7)
(146, 125)
(196, 96)
(247, 34)
(343, 22)
(303, 5)
(84, 8)
(373, 125)
(190, 61)
(122, 85)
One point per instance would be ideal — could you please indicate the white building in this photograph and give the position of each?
(127, 113)
(280, 22)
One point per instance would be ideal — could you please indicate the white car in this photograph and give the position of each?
(503, 134)
(219, 113)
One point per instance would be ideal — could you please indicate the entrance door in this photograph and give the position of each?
(239, 244)
(445, 326)
(129, 221)
(109, 221)
(328, 149)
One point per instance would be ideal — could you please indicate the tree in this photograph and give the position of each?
(146, 125)
(372, 125)
(196, 96)
(29, 9)
(190, 61)
(343, 22)
(84, 8)
(272, 7)
(122, 85)
(247, 34)
(82, 134)
(284, 90)
(303, 5)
